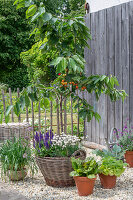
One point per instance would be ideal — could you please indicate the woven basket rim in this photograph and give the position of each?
(60, 158)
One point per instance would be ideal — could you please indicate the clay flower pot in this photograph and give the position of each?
(84, 185)
(107, 182)
(17, 176)
(129, 158)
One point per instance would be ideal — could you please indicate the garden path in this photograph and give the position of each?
(10, 194)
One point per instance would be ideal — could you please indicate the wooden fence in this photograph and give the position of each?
(60, 115)
(111, 52)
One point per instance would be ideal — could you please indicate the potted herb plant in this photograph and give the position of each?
(16, 158)
(126, 143)
(53, 155)
(109, 170)
(114, 151)
(84, 175)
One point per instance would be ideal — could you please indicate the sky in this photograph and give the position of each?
(96, 5)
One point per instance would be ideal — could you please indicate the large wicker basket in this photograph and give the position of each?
(56, 169)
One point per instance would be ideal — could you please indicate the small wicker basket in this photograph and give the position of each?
(56, 169)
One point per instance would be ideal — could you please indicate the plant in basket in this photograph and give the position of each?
(84, 174)
(53, 155)
(16, 158)
(126, 143)
(109, 170)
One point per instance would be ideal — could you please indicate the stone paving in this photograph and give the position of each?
(8, 194)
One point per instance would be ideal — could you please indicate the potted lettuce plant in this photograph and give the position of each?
(84, 174)
(109, 169)
(16, 158)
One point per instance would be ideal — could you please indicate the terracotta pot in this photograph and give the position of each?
(129, 158)
(84, 185)
(17, 176)
(107, 182)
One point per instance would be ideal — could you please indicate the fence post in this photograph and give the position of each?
(32, 108)
(58, 121)
(61, 117)
(51, 115)
(4, 104)
(84, 120)
(19, 117)
(78, 116)
(39, 116)
(10, 94)
(45, 121)
(71, 112)
(65, 117)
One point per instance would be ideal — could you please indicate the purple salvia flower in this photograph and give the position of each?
(36, 137)
(47, 144)
(34, 143)
(51, 135)
(40, 136)
(40, 144)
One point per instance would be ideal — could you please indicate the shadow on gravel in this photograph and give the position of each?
(9, 195)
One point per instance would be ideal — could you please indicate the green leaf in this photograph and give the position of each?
(53, 20)
(15, 2)
(8, 110)
(64, 63)
(112, 81)
(59, 68)
(22, 102)
(56, 61)
(7, 118)
(27, 100)
(116, 81)
(1, 118)
(97, 116)
(74, 173)
(28, 3)
(103, 77)
(41, 11)
(31, 11)
(72, 65)
(32, 96)
(78, 60)
(70, 22)
(46, 103)
(20, 5)
(91, 176)
(17, 108)
(46, 17)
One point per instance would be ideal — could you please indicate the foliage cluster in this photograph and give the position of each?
(116, 152)
(84, 168)
(14, 38)
(111, 166)
(125, 137)
(38, 65)
(66, 35)
(15, 155)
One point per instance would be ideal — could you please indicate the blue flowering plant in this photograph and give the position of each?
(53, 145)
(125, 138)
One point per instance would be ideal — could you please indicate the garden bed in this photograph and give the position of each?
(36, 189)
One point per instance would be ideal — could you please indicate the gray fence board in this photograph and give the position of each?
(111, 53)
(131, 62)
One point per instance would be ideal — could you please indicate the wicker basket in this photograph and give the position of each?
(56, 169)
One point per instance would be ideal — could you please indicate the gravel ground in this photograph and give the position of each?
(36, 189)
